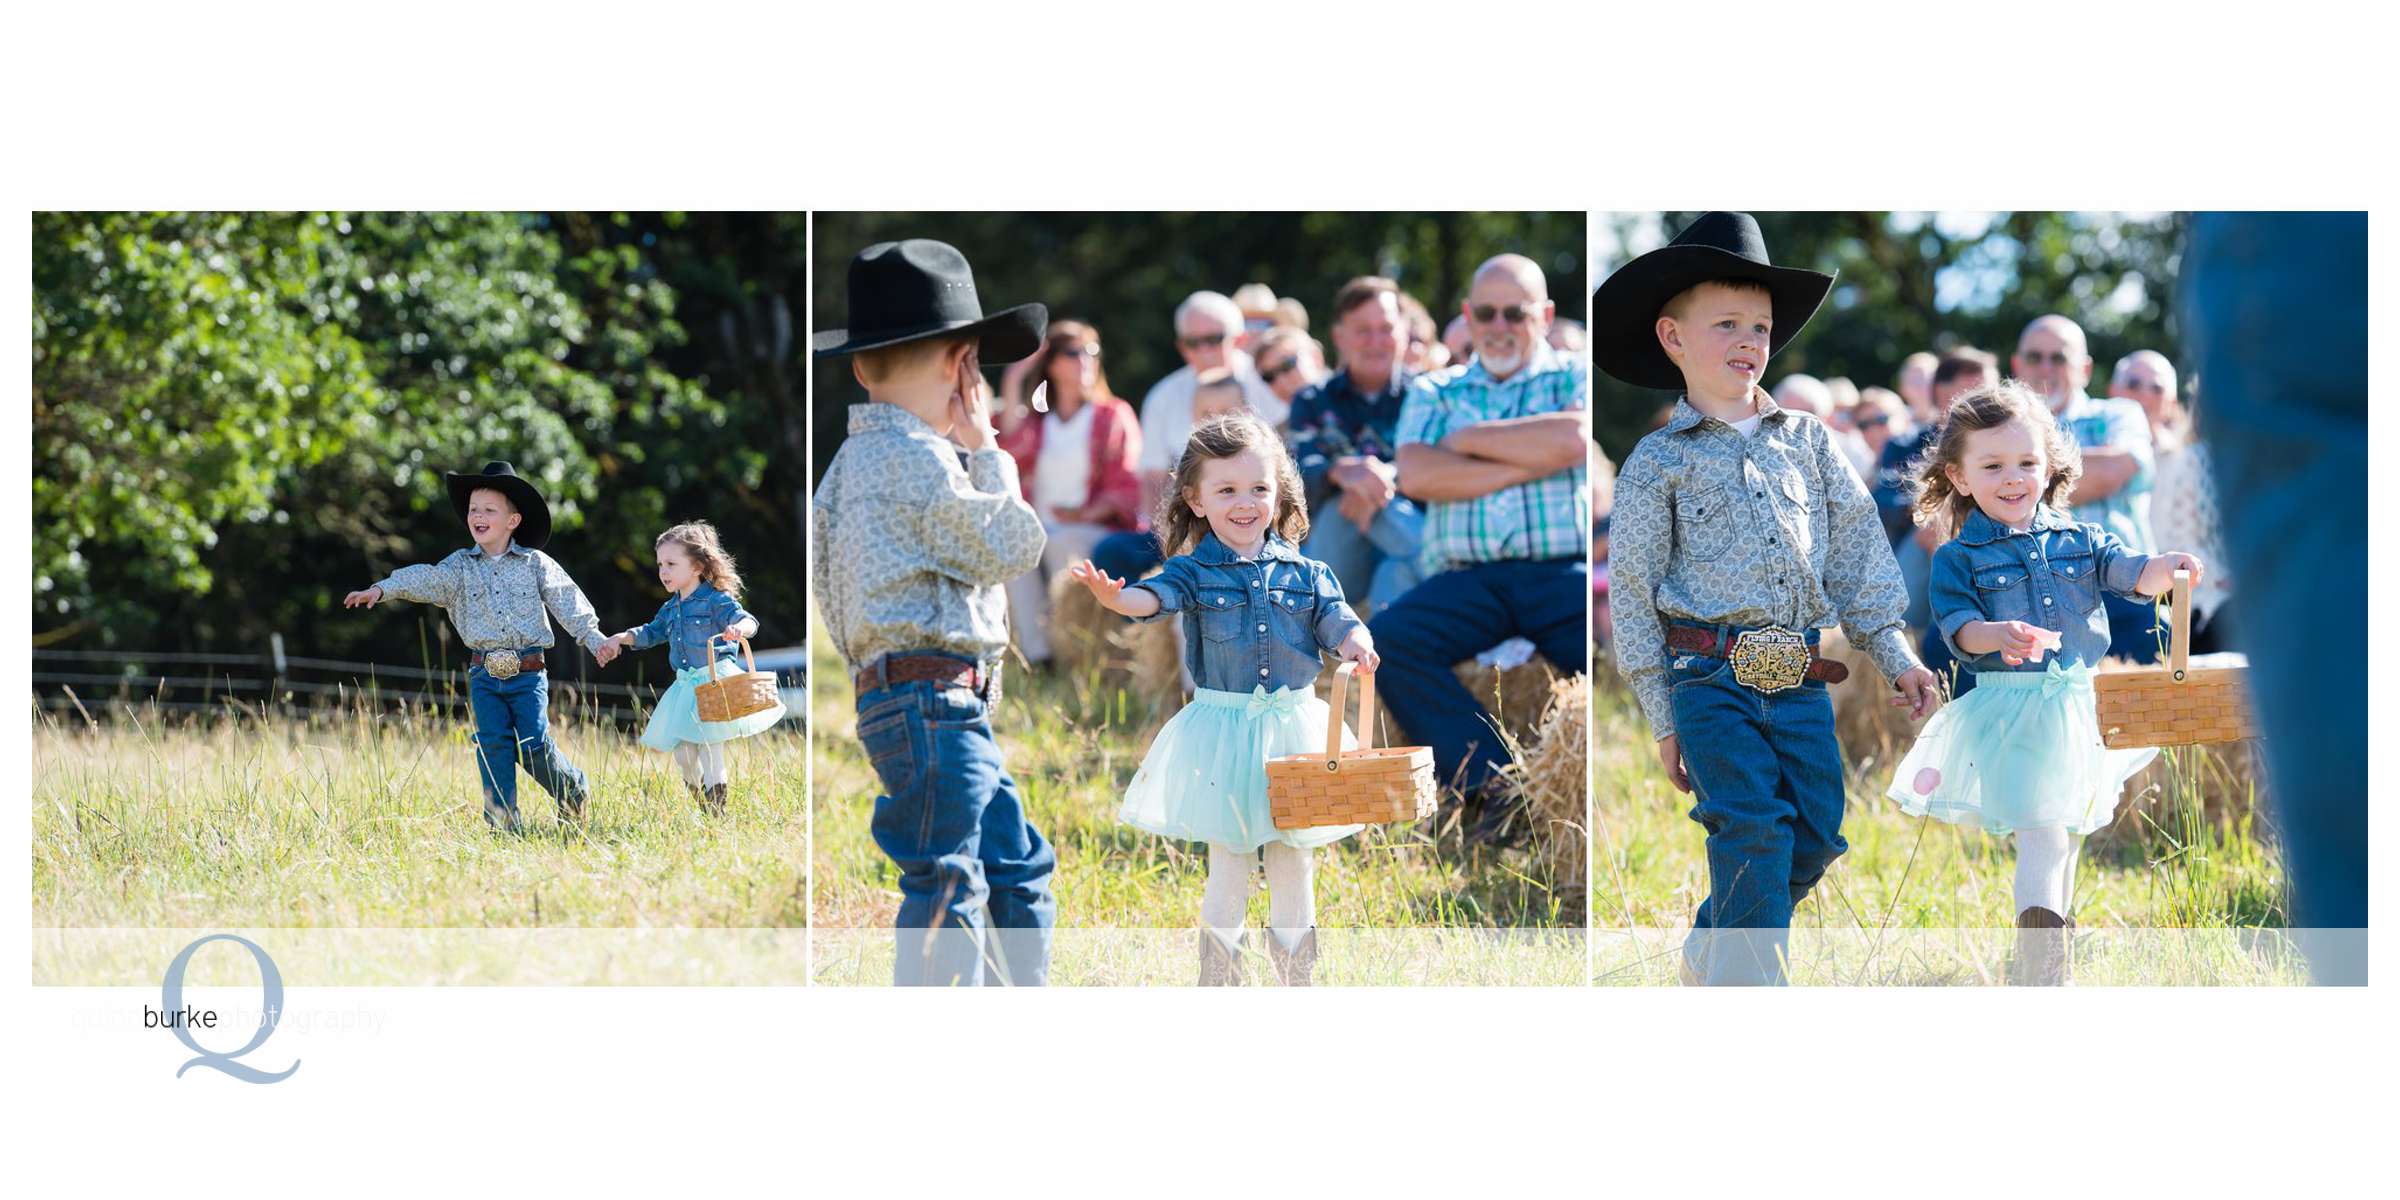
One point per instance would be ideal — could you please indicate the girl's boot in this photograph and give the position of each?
(2043, 942)
(1220, 964)
(712, 801)
(1296, 967)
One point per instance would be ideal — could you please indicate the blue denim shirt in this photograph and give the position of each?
(685, 623)
(1250, 623)
(2051, 575)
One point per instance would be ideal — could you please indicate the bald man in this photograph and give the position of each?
(2053, 359)
(1496, 451)
(2148, 379)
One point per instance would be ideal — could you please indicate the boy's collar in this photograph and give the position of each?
(881, 416)
(1216, 553)
(1687, 415)
(513, 550)
(1979, 529)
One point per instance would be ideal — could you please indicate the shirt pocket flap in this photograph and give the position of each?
(1993, 579)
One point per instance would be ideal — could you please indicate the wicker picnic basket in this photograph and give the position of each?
(2174, 705)
(1365, 786)
(736, 696)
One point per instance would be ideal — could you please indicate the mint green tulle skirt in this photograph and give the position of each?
(2020, 751)
(677, 718)
(1205, 777)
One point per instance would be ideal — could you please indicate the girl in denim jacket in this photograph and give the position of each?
(703, 603)
(1256, 617)
(2016, 594)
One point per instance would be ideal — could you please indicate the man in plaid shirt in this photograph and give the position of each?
(1496, 452)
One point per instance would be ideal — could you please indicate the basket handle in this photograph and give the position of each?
(2177, 651)
(749, 661)
(1366, 713)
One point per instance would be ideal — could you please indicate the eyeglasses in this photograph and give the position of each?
(1076, 351)
(1199, 341)
(1874, 422)
(2056, 358)
(1273, 373)
(1514, 314)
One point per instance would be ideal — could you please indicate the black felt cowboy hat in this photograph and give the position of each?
(1720, 245)
(920, 288)
(534, 531)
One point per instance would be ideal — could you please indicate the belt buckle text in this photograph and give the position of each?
(1769, 660)
(501, 664)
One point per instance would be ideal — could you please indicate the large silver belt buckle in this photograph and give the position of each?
(1769, 660)
(501, 664)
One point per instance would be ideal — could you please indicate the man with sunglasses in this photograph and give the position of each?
(2052, 357)
(1497, 452)
(1342, 438)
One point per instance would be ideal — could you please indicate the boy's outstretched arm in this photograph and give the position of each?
(567, 603)
(424, 583)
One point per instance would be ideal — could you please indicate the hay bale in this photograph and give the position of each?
(1088, 641)
(1552, 772)
(1518, 698)
(1869, 727)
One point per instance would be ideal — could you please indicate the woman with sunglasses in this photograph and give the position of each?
(1077, 463)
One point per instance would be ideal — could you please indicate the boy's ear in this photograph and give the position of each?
(858, 372)
(1670, 338)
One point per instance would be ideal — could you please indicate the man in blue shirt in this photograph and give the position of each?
(2053, 358)
(1342, 436)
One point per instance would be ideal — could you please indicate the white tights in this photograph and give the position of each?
(702, 764)
(2045, 868)
(1291, 891)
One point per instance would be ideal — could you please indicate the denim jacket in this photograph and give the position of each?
(1252, 623)
(2051, 575)
(685, 623)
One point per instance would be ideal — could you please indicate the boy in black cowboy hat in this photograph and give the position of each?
(918, 523)
(501, 594)
(1739, 531)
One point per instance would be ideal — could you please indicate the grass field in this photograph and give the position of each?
(366, 819)
(2184, 887)
(1399, 905)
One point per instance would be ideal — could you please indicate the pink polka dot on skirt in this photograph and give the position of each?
(1927, 780)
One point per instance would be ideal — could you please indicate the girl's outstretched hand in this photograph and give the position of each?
(1105, 588)
(366, 599)
(1359, 648)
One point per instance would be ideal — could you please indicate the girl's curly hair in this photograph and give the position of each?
(1179, 528)
(1939, 505)
(699, 541)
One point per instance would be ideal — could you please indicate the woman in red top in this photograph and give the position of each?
(1076, 463)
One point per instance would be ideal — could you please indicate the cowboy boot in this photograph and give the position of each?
(1220, 965)
(712, 801)
(1296, 967)
(2042, 958)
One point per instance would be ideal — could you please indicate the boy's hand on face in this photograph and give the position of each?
(366, 599)
(1670, 755)
(1918, 691)
(1359, 648)
(970, 405)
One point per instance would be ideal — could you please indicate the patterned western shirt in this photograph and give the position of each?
(2114, 424)
(2050, 574)
(1334, 420)
(1252, 622)
(1550, 517)
(686, 623)
(1714, 527)
(913, 539)
(498, 603)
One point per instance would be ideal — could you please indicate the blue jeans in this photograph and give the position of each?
(1766, 772)
(1455, 616)
(1376, 566)
(512, 728)
(2277, 306)
(1127, 556)
(974, 875)
(2133, 630)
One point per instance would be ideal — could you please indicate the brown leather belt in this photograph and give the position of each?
(525, 662)
(1707, 644)
(922, 668)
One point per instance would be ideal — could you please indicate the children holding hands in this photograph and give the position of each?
(1739, 531)
(2017, 593)
(500, 595)
(1257, 617)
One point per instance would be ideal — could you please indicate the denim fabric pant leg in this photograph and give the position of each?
(1343, 547)
(950, 819)
(512, 727)
(1127, 556)
(1456, 615)
(1399, 532)
(1767, 776)
(1377, 565)
(2277, 306)
(2134, 633)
